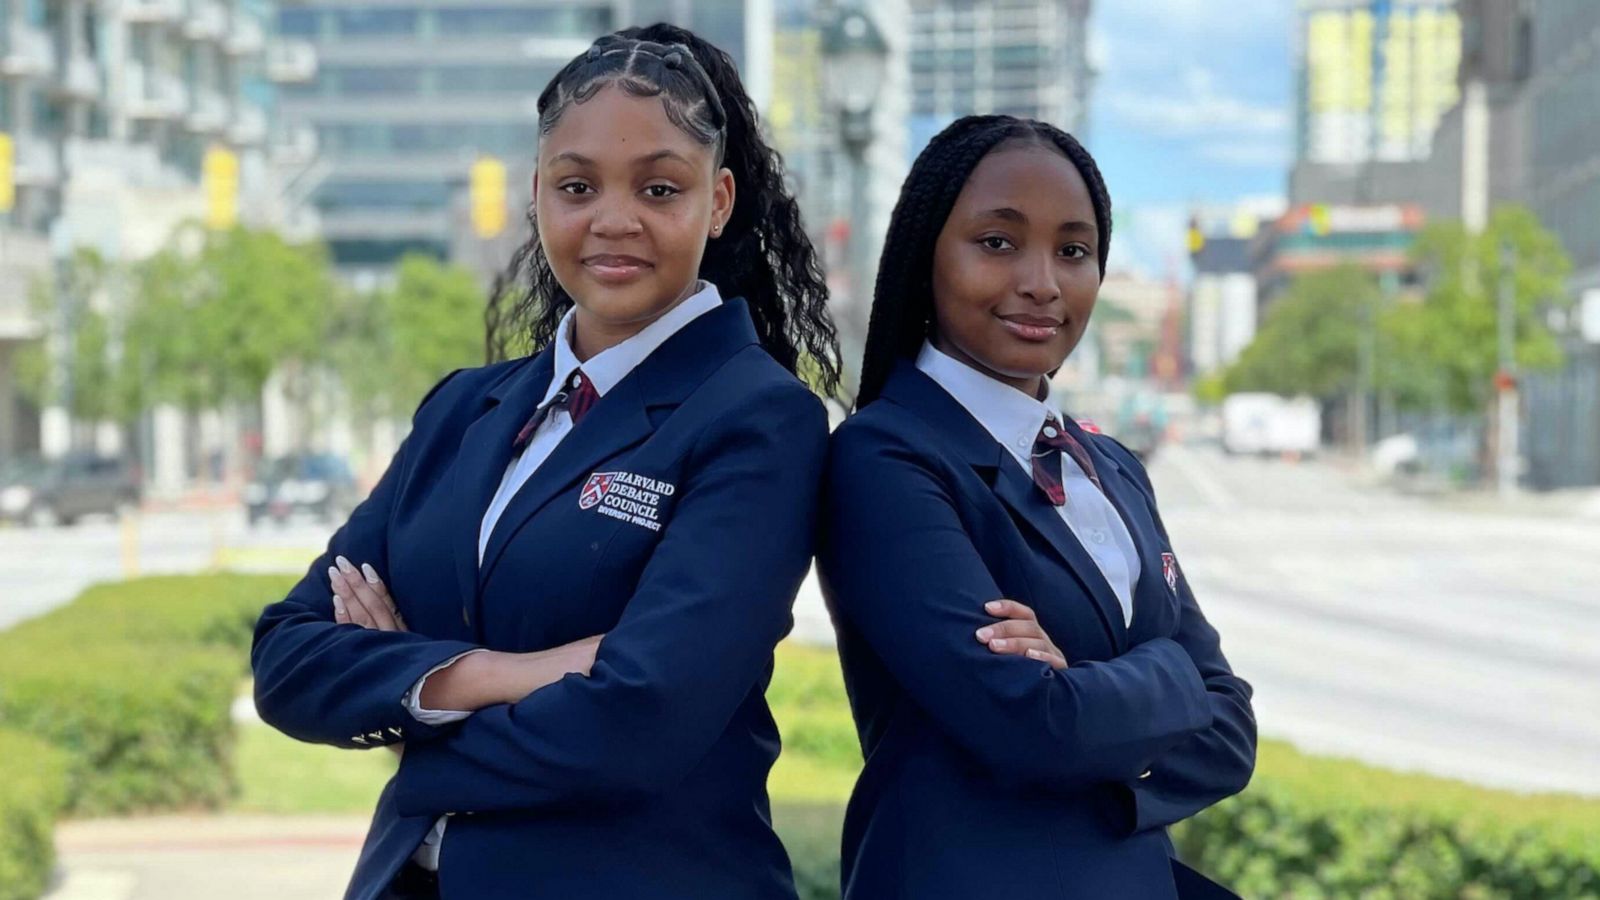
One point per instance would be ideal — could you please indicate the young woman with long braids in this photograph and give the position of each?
(1036, 690)
(563, 596)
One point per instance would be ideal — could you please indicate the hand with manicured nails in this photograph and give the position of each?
(1019, 633)
(472, 682)
(361, 598)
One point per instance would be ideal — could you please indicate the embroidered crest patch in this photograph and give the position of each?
(634, 499)
(1169, 569)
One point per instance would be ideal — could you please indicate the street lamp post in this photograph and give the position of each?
(855, 58)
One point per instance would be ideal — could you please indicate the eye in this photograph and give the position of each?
(1075, 251)
(576, 188)
(661, 191)
(995, 242)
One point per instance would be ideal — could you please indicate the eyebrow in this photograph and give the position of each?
(645, 160)
(1010, 214)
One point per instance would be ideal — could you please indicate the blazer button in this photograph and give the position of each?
(1146, 774)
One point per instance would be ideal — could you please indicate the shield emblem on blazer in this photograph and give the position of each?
(1169, 569)
(595, 489)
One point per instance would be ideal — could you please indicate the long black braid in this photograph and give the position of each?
(902, 303)
(763, 253)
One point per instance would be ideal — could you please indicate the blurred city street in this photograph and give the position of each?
(1413, 634)
(1443, 636)
(42, 568)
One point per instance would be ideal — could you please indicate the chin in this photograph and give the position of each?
(620, 305)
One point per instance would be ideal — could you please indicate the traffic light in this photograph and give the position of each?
(220, 178)
(488, 197)
(8, 173)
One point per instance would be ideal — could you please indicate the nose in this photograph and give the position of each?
(1037, 278)
(615, 218)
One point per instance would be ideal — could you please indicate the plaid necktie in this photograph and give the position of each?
(1047, 449)
(577, 397)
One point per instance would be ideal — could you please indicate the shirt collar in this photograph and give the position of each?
(606, 369)
(1010, 416)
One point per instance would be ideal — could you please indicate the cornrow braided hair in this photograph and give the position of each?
(763, 253)
(902, 303)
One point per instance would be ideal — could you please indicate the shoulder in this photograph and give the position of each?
(882, 439)
(751, 388)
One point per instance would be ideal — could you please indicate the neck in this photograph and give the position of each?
(592, 335)
(1032, 385)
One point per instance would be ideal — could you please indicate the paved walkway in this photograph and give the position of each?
(207, 857)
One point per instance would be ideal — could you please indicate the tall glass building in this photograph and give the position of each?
(1375, 77)
(407, 95)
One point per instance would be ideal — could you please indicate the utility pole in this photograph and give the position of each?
(1507, 462)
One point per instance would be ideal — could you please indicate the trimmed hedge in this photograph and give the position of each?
(134, 682)
(1307, 827)
(1313, 827)
(31, 794)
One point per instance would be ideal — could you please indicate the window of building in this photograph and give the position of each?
(362, 22)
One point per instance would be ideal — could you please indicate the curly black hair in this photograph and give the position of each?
(902, 302)
(763, 253)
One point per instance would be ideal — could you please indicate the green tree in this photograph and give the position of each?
(212, 324)
(1310, 340)
(80, 360)
(398, 342)
(1450, 341)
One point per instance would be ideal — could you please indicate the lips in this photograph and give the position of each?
(615, 267)
(1034, 329)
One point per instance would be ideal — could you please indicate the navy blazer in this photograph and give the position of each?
(998, 776)
(647, 778)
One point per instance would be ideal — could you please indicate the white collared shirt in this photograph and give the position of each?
(605, 370)
(1013, 418)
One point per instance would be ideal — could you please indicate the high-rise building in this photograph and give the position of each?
(1561, 437)
(1025, 58)
(1375, 77)
(1564, 139)
(1222, 313)
(408, 95)
(108, 109)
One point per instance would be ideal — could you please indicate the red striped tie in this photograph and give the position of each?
(1047, 449)
(577, 397)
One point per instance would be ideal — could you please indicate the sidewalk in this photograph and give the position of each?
(204, 857)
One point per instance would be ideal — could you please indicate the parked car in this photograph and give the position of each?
(320, 484)
(41, 491)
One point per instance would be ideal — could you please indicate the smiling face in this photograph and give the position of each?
(625, 201)
(1016, 266)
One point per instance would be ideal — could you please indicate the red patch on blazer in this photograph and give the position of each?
(595, 489)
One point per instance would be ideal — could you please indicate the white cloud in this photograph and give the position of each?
(1249, 153)
(1195, 106)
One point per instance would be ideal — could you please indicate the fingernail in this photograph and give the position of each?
(344, 564)
(1034, 654)
(998, 643)
(333, 574)
(985, 633)
(338, 606)
(370, 572)
(992, 605)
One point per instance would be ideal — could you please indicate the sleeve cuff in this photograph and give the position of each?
(413, 699)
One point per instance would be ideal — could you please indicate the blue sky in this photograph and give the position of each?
(1194, 104)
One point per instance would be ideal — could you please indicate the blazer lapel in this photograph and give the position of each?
(615, 423)
(1130, 503)
(622, 418)
(909, 387)
(481, 461)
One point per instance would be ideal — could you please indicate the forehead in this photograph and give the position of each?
(614, 125)
(1037, 181)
